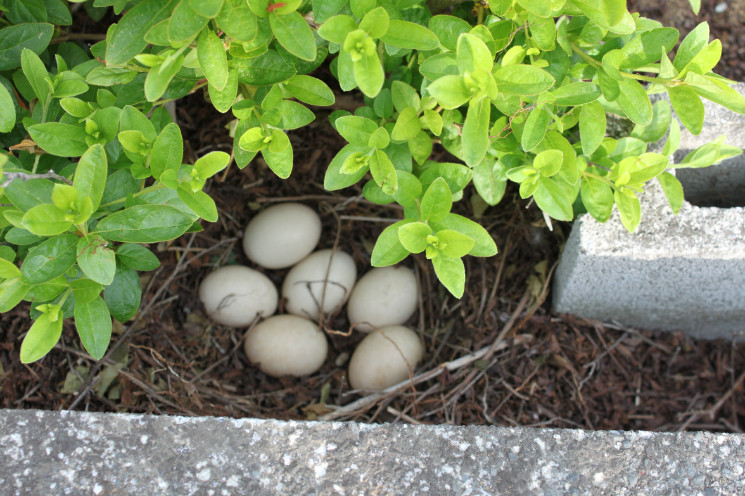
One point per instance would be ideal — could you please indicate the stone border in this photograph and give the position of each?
(121, 454)
(684, 272)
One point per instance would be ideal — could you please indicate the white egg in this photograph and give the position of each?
(384, 358)
(286, 345)
(384, 296)
(234, 295)
(304, 285)
(282, 235)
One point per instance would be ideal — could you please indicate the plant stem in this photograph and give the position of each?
(628, 75)
(149, 189)
(599, 178)
(44, 110)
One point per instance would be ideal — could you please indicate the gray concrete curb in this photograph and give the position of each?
(684, 272)
(114, 454)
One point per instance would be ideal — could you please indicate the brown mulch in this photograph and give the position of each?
(509, 359)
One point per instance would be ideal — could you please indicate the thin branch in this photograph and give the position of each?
(25, 176)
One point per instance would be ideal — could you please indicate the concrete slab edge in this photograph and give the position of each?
(123, 454)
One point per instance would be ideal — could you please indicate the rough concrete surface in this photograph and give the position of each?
(676, 272)
(58, 453)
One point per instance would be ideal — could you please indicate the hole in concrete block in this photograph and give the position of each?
(721, 185)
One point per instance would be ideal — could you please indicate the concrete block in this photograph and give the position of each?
(721, 185)
(61, 453)
(677, 272)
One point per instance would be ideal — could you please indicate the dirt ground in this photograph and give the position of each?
(511, 361)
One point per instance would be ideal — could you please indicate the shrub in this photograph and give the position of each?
(517, 90)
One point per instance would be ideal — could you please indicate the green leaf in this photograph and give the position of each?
(41, 337)
(160, 76)
(716, 91)
(709, 154)
(361, 7)
(688, 107)
(475, 137)
(93, 323)
(293, 33)
(705, 60)
(379, 139)
(96, 260)
(433, 121)
(673, 139)
(383, 172)
(267, 68)
(523, 79)
(592, 126)
(137, 257)
(484, 245)
(450, 91)
(356, 130)
(167, 152)
(646, 47)
(473, 54)
(36, 73)
(656, 130)
(46, 220)
(85, 290)
(124, 294)
(8, 269)
(110, 76)
(535, 128)
(223, 99)
(597, 197)
(437, 66)
(457, 176)
(324, 9)
(237, 20)
(634, 101)
(541, 8)
(691, 45)
(405, 34)
(548, 162)
(576, 94)
(144, 224)
(447, 28)
(7, 111)
(12, 292)
(210, 164)
(673, 190)
(14, 39)
(128, 37)
(453, 244)
(57, 138)
(375, 22)
(184, 24)
(206, 8)
(368, 73)
(420, 147)
(407, 125)
(388, 249)
(437, 201)
(337, 28)
(413, 236)
(695, 6)
(213, 59)
(49, 259)
(21, 237)
(91, 173)
(451, 273)
(200, 202)
(403, 96)
(278, 155)
(490, 181)
(553, 200)
(629, 208)
(334, 178)
(310, 90)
